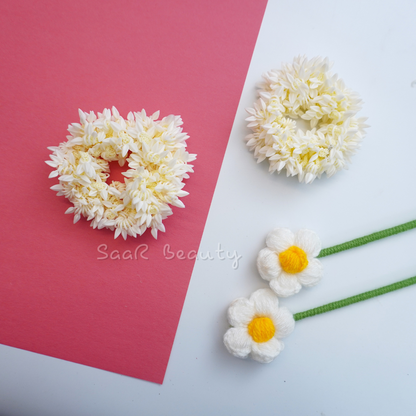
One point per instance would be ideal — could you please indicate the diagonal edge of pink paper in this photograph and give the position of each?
(57, 297)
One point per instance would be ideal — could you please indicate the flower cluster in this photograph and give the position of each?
(305, 90)
(155, 153)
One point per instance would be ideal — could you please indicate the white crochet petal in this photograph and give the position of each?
(268, 264)
(280, 239)
(283, 322)
(265, 352)
(312, 274)
(265, 302)
(309, 242)
(285, 285)
(238, 342)
(240, 312)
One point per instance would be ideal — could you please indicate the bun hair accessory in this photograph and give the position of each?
(158, 162)
(305, 89)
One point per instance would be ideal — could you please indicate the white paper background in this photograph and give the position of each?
(358, 360)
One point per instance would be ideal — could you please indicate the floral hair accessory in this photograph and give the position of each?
(155, 153)
(258, 325)
(289, 261)
(305, 89)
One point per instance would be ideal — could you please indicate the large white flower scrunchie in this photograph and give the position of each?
(158, 162)
(289, 261)
(258, 325)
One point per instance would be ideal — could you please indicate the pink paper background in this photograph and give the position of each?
(181, 57)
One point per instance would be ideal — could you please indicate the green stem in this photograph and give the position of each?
(354, 299)
(368, 239)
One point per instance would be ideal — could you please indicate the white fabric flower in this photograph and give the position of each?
(258, 325)
(305, 89)
(158, 162)
(289, 261)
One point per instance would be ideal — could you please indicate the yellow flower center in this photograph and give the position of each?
(153, 157)
(323, 153)
(261, 329)
(85, 157)
(109, 153)
(110, 214)
(144, 137)
(99, 186)
(153, 210)
(293, 260)
(125, 139)
(95, 151)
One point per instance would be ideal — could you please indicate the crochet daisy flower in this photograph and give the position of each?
(305, 89)
(258, 325)
(289, 261)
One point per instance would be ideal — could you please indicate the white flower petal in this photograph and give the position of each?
(266, 352)
(238, 342)
(285, 285)
(268, 264)
(312, 274)
(280, 239)
(308, 241)
(240, 312)
(284, 322)
(265, 302)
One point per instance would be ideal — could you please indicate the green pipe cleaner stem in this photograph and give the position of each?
(354, 299)
(368, 239)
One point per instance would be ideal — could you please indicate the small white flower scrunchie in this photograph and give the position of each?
(305, 89)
